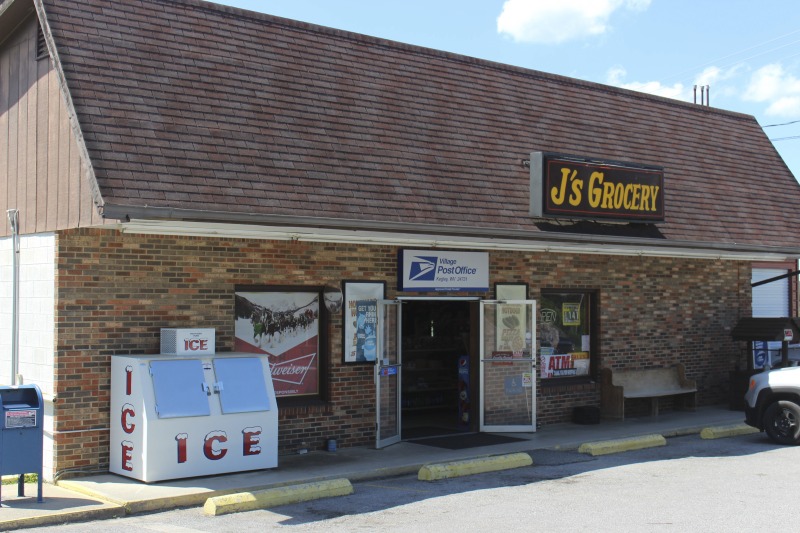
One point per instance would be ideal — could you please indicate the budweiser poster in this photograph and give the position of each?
(285, 326)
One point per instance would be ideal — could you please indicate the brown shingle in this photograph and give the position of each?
(287, 118)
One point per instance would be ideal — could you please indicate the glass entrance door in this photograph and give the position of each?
(387, 374)
(508, 366)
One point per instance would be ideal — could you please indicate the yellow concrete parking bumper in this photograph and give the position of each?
(719, 432)
(622, 445)
(263, 499)
(478, 465)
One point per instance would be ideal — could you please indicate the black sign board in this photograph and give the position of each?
(566, 186)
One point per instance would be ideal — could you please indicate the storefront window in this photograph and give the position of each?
(288, 325)
(566, 334)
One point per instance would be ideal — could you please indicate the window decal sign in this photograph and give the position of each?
(571, 314)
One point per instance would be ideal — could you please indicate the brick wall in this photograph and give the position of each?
(115, 292)
(653, 312)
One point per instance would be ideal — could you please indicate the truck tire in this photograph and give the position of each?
(782, 422)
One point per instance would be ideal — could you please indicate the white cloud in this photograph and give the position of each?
(714, 77)
(557, 21)
(709, 76)
(616, 76)
(721, 81)
(779, 89)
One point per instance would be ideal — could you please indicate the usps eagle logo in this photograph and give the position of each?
(423, 268)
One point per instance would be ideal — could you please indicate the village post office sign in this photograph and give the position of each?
(439, 270)
(568, 186)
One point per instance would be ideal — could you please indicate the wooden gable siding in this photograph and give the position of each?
(41, 172)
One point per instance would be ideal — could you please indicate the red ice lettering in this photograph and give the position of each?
(208, 445)
(251, 438)
(128, 380)
(195, 344)
(127, 456)
(128, 411)
(181, 439)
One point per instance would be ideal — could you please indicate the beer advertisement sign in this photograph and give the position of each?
(286, 327)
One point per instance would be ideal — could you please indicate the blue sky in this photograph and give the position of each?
(747, 51)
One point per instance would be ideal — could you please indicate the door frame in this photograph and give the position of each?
(526, 363)
(474, 340)
(389, 366)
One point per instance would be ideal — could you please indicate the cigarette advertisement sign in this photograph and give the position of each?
(571, 314)
(437, 270)
(360, 321)
(366, 330)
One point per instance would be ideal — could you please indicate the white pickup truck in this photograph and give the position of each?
(772, 404)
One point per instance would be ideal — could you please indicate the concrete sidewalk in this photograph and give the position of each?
(108, 495)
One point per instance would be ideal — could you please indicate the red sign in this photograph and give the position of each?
(285, 326)
(502, 358)
(193, 345)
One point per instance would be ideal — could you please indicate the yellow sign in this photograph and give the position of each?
(571, 314)
(601, 189)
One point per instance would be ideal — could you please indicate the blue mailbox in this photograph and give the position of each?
(21, 433)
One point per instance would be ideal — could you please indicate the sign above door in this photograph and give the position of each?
(438, 270)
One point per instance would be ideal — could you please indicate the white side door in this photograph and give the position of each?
(508, 366)
(387, 374)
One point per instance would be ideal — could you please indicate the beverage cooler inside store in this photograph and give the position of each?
(178, 416)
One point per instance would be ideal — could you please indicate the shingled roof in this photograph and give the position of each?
(194, 110)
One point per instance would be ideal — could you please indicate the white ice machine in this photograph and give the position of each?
(176, 417)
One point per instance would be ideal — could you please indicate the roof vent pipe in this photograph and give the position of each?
(705, 95)
(13, 220)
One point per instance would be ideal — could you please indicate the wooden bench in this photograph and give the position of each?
(653, 383)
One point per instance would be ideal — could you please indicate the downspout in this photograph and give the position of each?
(13, 219)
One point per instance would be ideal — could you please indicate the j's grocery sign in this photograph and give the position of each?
(567, 186)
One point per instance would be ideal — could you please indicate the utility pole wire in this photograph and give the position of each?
(713, 61)
(783, 124)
